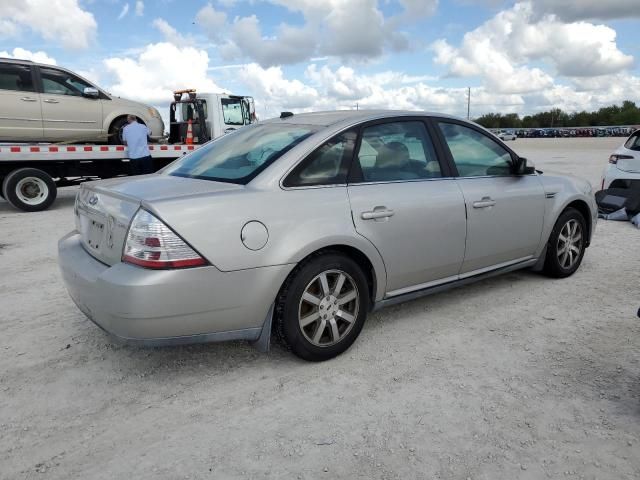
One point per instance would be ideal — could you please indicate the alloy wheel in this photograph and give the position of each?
(328, 308)
(569, 244)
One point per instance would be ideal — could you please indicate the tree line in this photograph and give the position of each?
(626, 114)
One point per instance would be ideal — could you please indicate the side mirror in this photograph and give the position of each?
(91, 92)
(525, 167)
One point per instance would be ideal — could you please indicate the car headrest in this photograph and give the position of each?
(392, 154)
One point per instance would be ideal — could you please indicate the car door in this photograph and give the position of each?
(505, 212)
(20, 114)
(67, 114)
(405, 203)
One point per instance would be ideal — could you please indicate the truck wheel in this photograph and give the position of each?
(115, 131)
(29, 189)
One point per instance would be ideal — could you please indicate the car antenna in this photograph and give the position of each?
(286, 114)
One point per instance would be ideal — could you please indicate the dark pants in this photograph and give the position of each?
(141, 166)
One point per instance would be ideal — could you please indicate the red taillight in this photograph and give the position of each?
(151, 244)
(613, 159)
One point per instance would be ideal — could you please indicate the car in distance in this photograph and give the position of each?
(47, 103)
(312, 221)
(506, 135)
(623, 169)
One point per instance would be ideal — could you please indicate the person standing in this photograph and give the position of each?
(134, 136)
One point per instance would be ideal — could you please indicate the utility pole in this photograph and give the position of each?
(469, 103)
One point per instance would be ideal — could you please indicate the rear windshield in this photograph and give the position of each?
(239, 156)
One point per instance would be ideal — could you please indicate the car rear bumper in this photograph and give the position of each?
(162, 307)
(611, 173)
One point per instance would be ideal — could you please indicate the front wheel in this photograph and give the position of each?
(566, 245)
(322, 307)
(115, 131)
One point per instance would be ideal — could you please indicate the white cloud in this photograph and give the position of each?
(60, 21)
(343, 88)
(274, 93)
(171, 35)
(212, 21)
(22, 54)
(291, 45)
(349, 29)
(501, 49)
(572, 10)
(419, 8)
(139, 8)
(160, 69)
(124, 11)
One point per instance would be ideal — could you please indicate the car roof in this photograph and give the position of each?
(14, 60)
(330, 118)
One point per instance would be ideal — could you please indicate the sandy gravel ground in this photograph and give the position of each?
(518, 377)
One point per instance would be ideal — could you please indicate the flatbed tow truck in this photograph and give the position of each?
(31, 173)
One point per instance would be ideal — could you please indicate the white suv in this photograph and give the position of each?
(624, 165)
(45, 103)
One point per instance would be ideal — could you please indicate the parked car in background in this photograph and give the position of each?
(45, 103)
(623, 169)
(506, 135)
(312, 221)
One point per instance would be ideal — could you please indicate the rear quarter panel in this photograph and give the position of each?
(299, 222)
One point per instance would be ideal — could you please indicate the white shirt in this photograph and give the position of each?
(135, 134)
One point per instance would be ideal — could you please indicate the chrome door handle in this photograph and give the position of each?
(51, 100)
(374, 214)
(28, 99)
(484, 203)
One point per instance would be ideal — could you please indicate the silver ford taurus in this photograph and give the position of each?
(303, 225)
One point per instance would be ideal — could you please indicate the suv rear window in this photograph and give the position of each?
(16, 77)
(240, 156)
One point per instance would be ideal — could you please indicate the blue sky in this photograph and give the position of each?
(310, 55)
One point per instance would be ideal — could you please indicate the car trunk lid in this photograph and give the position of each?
(104, 209)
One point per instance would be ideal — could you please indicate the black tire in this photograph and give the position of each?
(289, 306)
(37, 193)
(557, 265)
(115, 137)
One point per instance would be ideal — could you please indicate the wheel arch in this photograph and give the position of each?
(376, 279)
(583, 208)
(120, 116)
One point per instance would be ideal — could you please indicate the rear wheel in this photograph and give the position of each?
(566, 245)
(322, 307)
(29, 189)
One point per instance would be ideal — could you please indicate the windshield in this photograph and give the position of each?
(239, 156)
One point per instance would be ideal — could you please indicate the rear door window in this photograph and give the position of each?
(16, 77)
(397, 151)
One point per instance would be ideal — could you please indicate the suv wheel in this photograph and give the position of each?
(322, 307)
(566, 245)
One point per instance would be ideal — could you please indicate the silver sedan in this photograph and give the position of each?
(304, 224)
